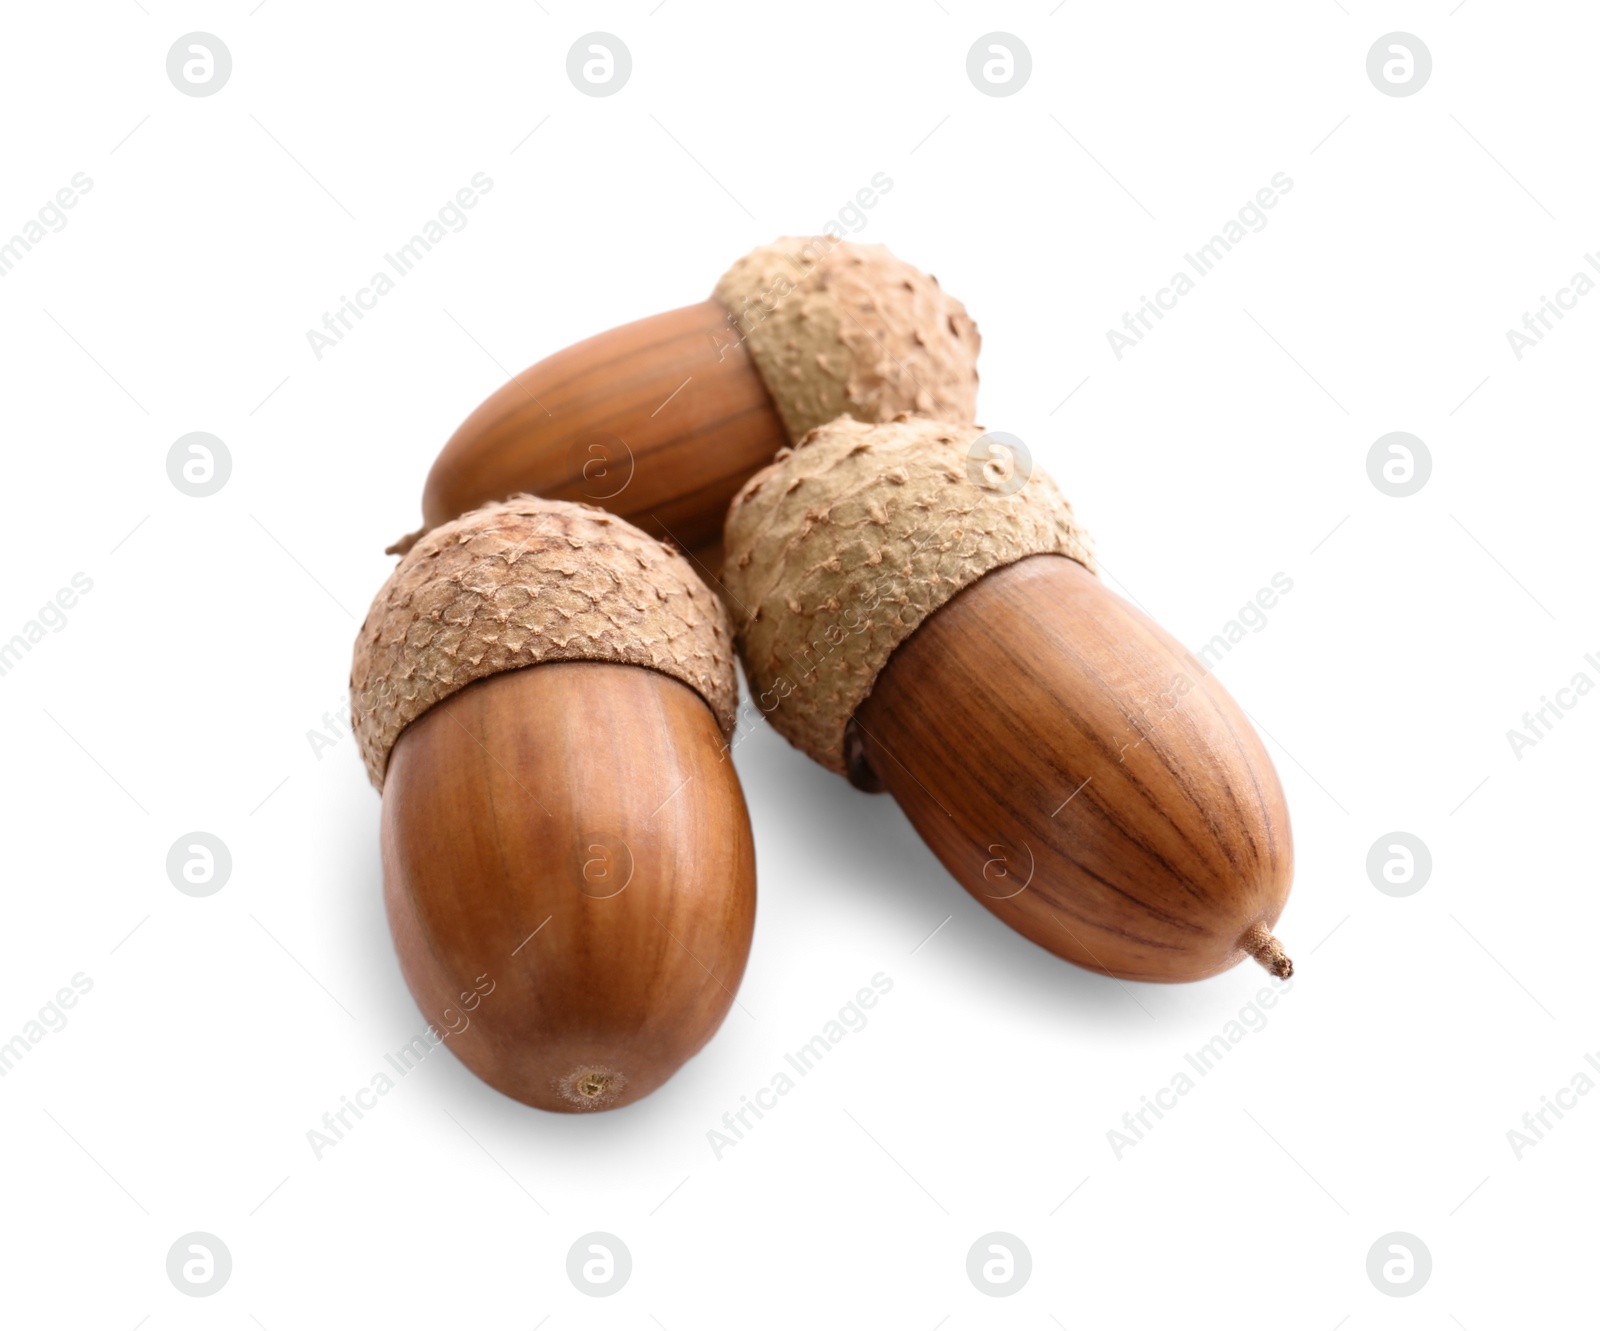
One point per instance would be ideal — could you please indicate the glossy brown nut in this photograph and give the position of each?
(662, 420)
(543, 694)
(917, 613)
(567, 851)
(598, 423)
(1084, 778)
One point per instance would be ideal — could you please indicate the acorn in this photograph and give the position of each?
(661, 421)
(920, 614)
(543, 695)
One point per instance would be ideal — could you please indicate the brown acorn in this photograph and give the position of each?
(543, 694)
(661, 421)
(917, 614)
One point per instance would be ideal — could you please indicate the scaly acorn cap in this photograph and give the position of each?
(837, 328)
(520, 583)
(848, 541)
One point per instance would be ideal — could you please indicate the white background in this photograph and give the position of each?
(1222, 450)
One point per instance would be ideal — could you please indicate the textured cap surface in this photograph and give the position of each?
(847, 542)
(524, 582)
(837, 328)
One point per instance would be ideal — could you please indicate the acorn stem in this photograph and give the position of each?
(1260, 944)
(406, 542)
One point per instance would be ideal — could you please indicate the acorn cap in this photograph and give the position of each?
(520, 583)
(837, 328)
(847, 542)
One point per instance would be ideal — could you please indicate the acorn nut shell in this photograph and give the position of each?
(662, 420)
(544, 695)
(844, 545)
(932, 625)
